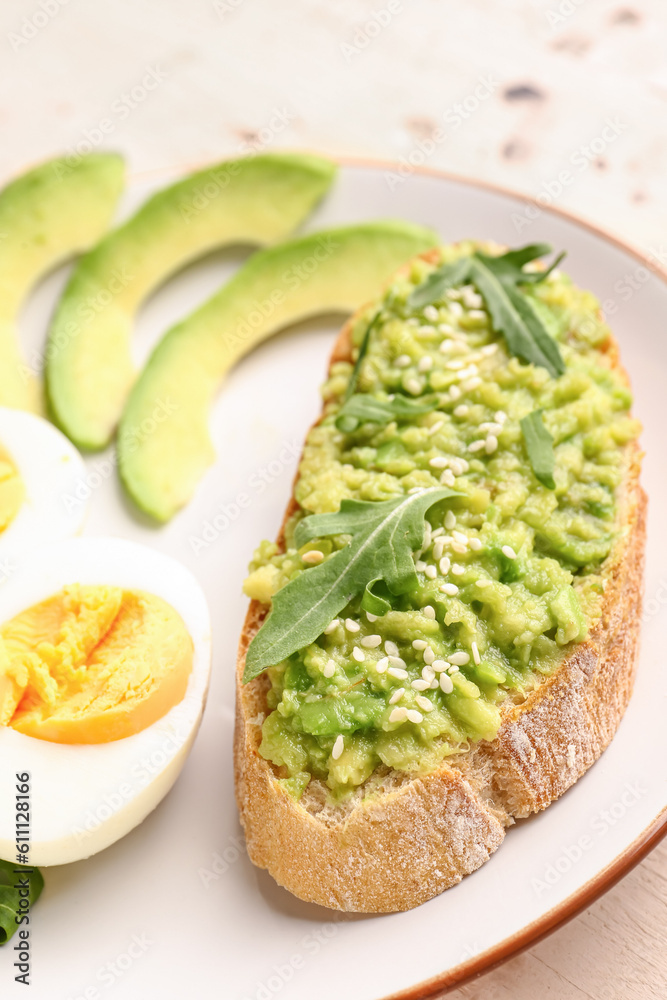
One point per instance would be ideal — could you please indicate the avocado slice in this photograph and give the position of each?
(164, 445)
(255, 200)
(46, 215)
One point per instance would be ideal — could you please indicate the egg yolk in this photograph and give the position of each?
(12, 490)
(92, 664)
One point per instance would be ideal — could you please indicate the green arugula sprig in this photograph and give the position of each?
(9, 895)
(540, 448)
(498, 280)
(362, 408)
(363, 350)
(384, 534)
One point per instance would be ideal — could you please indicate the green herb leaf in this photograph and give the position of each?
(10, 878)
(363, 408)
(540, 448)
(363, 349)
(513, 315)
(437, 283)
(384, 534)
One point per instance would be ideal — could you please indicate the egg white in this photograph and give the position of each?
(53, 474)
(85, 797)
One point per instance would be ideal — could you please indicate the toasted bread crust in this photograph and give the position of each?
(418, 835)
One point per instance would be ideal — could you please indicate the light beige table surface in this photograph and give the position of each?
(571, 105)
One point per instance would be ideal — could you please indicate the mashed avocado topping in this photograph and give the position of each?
(523, 464)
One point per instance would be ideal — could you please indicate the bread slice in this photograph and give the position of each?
(418, 835)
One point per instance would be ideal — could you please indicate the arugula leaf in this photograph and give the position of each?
(498, 280)
(363, 350)
(540, 448)
(10, 874)
(513, 315)
(438, 281)
(363, 408)
(384, 534)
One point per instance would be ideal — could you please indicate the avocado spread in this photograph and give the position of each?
(510, 570)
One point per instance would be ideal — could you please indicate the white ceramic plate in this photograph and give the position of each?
(176, 909)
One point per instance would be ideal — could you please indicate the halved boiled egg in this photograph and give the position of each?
(105, 657)
(41, 479)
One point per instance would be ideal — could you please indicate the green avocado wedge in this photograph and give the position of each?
(48, 214)
(256, 200)
(164, 446)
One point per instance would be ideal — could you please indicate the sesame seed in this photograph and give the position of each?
(500, 416)
(436, 427)
(459, 548)
(452, 669)
(458, 569)
(351, 625)
(491, 427)
(428, 611)
(434, 684)
(450, 589)
(439, 462)
(476, 313)
(431, 572)
(390, 648)
(396, 661)
(437, 550)
(445, 328)
(472, 383)
(332, 626)
(455, 365)
(429, 655)
(415, 716)
(447, 478)
(454, 392)
(484, 583)
(491, 444)
(458, 536)
(508, 551)
(431, 313)
(382, 664)
(403, 361)
(396, 696)
(399, 674)
(329, 668)
(399, 714)
(445, 564)
(338, 747)
(358, 654)
(488, 350)
(476, 445)
(459, 659)
(414, 385)
(450, 520)
(456, 309)
(475, 653)
(371, 641)
(424, 703)
(420, 685)
(425, 363)
(312, 557)
(371, 618)
(467, 372)
(461, 410)
(446, 684)
(419, 644)
(475, 544)
(437, 532)
(438, 666)
(428, 673)
(446, 345)
(420, 566)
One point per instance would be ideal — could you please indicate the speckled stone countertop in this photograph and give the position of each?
(562, 100)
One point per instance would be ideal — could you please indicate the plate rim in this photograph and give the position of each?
(534, 932)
